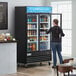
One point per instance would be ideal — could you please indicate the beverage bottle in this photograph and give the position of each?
(34, 26)
(33, 32)
(44, 19)
(30, 32)
(34, 20)
(33, 47)
(29, 47)
(28, 19)
(41, 19)
(28, 26)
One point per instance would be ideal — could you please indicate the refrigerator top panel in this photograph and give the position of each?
(39, 9)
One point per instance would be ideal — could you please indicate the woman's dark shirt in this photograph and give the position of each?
(56, 32)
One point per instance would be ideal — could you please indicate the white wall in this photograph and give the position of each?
(11, 14)
(47, 3)
(28, 2)
(74, 28)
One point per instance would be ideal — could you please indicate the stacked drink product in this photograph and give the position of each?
(43, 46)
(42, 25)
(32, 19)
(31, 32)
(43, 19)
(31, 47)
(31, 26)
(42, 33)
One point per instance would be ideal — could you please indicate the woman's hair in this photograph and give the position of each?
(55, 21)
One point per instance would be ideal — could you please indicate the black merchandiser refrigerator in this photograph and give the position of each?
(31, 24)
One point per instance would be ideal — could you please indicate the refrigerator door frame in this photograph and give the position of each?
(50, 25)
(39, 29)
(27, 29)
(38, 23)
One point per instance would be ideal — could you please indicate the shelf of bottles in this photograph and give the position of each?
(32, 33)
(44, 38)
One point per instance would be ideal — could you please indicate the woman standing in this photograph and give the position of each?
(57, 34)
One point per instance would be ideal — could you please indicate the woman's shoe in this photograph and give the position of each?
(53, 67)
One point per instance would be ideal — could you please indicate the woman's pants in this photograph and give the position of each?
(56, 47)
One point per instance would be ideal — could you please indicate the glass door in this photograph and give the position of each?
(32, 32)
(46, 21)
(44, 25)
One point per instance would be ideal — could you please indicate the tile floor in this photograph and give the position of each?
(35, 70)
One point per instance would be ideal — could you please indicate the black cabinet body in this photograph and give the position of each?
(23, 55)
